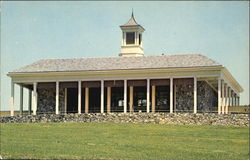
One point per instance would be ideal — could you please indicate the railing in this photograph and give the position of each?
(236, 109)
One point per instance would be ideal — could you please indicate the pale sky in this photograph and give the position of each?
(31, 31)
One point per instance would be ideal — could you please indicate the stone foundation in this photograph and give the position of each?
(156, 118)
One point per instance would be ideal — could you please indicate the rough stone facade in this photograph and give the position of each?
(184, 98)
(206, 97)
(46, 101)
(156, 118)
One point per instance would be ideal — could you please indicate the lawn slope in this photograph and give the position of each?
(123, 141)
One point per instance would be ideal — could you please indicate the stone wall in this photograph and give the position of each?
(46, 100)
(184, 97)
(206, 97)
(156, 118)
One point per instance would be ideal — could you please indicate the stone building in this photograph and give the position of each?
(130, 82)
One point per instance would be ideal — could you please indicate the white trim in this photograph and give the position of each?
(69, 79)
(117, 74)
(229, 79)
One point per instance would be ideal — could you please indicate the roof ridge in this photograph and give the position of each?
(121, 56)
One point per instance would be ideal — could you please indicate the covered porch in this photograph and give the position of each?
(174, 94)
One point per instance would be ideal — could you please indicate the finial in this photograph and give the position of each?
(132, 13)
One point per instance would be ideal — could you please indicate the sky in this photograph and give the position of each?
(31, 31)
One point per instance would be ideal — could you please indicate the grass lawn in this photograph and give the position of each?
(123, 141)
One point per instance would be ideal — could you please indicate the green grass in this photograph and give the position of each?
(123, 141)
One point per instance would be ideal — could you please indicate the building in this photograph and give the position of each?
(130, 82)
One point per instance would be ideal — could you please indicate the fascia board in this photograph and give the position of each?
(231, 80)
(104, 72)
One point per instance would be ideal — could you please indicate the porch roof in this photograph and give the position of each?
(119, 63)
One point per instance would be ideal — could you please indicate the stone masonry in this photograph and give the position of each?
(155, 118)
(47, 100)
(184, 98)
(206, 97)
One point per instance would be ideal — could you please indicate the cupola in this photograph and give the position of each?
(132, 38)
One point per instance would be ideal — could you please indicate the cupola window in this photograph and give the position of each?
(130, 38)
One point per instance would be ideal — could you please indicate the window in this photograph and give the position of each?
(130, 38)
(139, 39)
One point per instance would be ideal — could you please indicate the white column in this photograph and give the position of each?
(21, 99)
(34, 106)
(148, 94)
(219, 96)
(57, 97)
(102, 96)
(136, 38)
(79, 97)
(223, 97)
(65, 100)
(124, 39)
(125, 96)
(171, 95)
(30, 101)
(174, 97)
(231, 97)
(226, 99)
(195, 95)
(12, 104)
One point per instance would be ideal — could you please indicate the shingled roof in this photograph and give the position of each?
(119, 63)
(131, 21)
